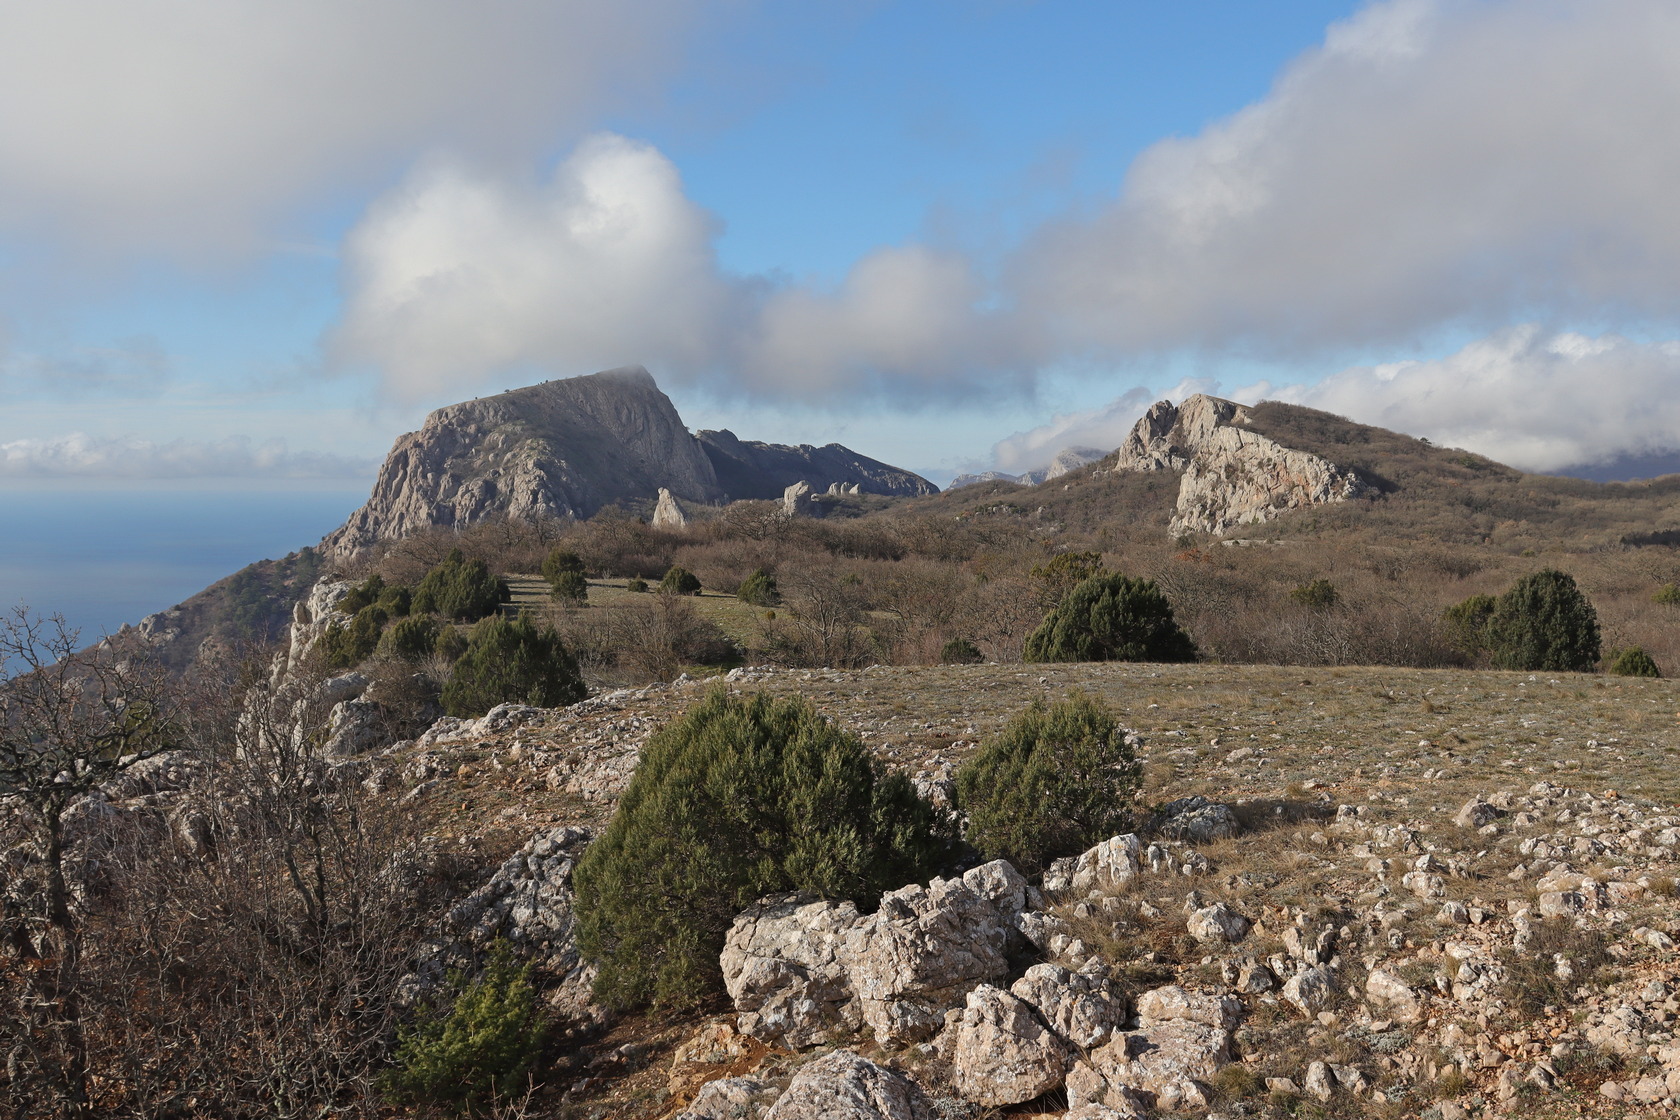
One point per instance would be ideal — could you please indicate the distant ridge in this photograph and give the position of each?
(567, 448)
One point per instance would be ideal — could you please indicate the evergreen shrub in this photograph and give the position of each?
(570, 587)
(460, 589)
(741, 797)
(1110, 618)
(680, 581)
(759, 589)
(1056, 780)
(477, 1053)
(1544, 623)
(1634, 662)
(960, 651)
(510, 661)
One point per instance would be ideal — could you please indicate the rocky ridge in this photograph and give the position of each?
(569, 447)
(1231, 476)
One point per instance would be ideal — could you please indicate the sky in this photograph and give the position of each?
(245, 245)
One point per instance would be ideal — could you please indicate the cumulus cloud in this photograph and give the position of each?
(1464, 162)
(78, 455)
(461, 275)
(1538, 400)
(185, 125)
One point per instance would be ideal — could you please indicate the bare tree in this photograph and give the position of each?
(70, 722)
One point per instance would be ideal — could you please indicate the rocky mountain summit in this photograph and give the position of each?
(1231, 476)
(566, 448)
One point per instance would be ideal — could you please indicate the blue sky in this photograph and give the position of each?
(246, 246)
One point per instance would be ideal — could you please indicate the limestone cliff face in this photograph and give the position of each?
(559, 449)
(1231, 476)
(750, 469)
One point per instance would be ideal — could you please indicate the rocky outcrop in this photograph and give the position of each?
(1231, 476)
(667, 514)
(567, 448)
(843, 1086)
(750, 469)
(559, 449)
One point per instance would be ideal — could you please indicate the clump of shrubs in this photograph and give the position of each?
(1111, 618)
(1317, 595)
(960, 651)
(411, 639)
(1633, 662)
(1057, 779)
(680, 581)
(477, 1053)
(636, 586)
(741, 797)
(460, 589)
(570, 587)
(511, 661)
(759, 589)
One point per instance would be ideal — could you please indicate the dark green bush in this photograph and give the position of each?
(478, 1052)
(509, 661)
(410, 639)
(1319, 595)
(570, 587)
(346, 647)
(1466, 624)
(759, 589)
(1544, 623)
(560, 561)
(680, 581)
(1111, 618)
(1056, 780)
(961, 651)
(636, 586)
(1634, 662)
(393, 598)
(741, 797)
(461, 589)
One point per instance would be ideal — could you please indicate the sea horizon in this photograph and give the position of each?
(108, 557)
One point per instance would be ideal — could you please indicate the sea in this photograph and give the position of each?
(102, 558)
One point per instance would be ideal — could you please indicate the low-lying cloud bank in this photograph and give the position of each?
(1539, 401)
(78, 455)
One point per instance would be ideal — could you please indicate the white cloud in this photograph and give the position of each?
(461, 276)
(79, 455)
(186, 125)
(1538, 400)
(1104, 427)
(1463, 162)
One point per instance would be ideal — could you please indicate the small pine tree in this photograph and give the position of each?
(636, 586)
(741, 797)
(1054, 781)
(461, 589)
(759, 589)
(1634, 662)
(1544, 623)
(1111, 618)
(509, 661)
(570, 587)
(1319, 595)
(961, 651)
(480, 1050)
(680, 581)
